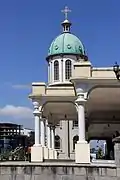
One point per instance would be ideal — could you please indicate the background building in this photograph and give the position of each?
(13, 135)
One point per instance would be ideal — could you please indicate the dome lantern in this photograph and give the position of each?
(66, 24)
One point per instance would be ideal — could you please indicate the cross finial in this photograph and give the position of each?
(66, 11)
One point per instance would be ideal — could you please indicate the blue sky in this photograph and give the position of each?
(27, 28)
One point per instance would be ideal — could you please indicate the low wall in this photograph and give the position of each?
(62, 170)
(57, 171)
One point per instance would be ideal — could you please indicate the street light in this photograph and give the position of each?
(116, 69)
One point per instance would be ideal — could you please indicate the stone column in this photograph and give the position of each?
(116, 142)
(81, 118)
(49, 78)
(37, 150)
(51, 150)
(117, 153)
(52, 72)
(37, 123)
(48, 136)
(45, 148)
(52, 138)
(42, 132)
(55, 152)
(82, 148)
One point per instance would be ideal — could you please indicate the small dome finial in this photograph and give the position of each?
(66, 24)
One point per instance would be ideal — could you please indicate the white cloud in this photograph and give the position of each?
(16, 112)
(21, 86)
(18, 86)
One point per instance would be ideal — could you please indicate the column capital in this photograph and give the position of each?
(36, 105)
(36, 108)
(81, 99)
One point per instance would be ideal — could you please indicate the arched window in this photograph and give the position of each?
(56, 70)
(68, 69)
(57, 142)
(75, 139)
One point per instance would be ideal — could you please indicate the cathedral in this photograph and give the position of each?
(78, 104)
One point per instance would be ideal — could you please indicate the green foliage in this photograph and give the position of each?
(100, 153)
(17, 154)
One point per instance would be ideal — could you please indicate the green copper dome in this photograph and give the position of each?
(66, 43)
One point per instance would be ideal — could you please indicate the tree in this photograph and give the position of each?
(100, 153)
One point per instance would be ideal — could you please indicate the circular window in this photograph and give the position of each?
(69, 46)
(56, 47)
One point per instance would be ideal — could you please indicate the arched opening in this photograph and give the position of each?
(56, 70)
(57, 142)
(75, 139)
(68, 69)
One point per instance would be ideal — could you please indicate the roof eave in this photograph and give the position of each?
(62, 54)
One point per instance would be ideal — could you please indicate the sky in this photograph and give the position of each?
(27, 28)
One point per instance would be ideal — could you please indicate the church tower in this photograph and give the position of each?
(64, 51)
